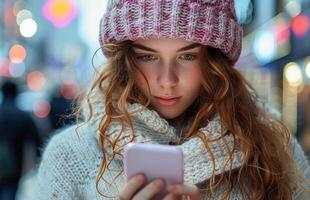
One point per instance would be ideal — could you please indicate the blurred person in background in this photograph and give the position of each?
(16, 128)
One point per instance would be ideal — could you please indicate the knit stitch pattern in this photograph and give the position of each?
(208, 22)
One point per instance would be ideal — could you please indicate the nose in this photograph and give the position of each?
(167, 77)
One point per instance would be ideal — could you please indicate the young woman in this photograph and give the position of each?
(170, 79)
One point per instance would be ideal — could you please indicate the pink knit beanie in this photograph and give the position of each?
(208, 22)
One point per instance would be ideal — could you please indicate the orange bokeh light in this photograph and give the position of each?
(36, 80)
(61, 8)
(17, 54)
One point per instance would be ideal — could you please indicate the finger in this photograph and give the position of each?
(150, 190)
(191, 191)
(172, 196)
(131, 187)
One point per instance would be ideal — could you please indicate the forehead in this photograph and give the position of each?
(163, 44)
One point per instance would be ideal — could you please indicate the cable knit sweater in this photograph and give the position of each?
(71, 159)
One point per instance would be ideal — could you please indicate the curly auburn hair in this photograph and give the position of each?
(268, 162)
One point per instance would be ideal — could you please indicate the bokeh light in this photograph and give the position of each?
(41, 108)
(300, 25)
(264, 47)
(17, 70)
(4, 68)
(292, 73)
(36, 80)
(23, 15)
(67, 74)
(70, 90)
(28, 28)
(8, 15)
(17, 54)
(307, 69)
(293, 8)
(60, 12)
(16, 7)
(282, 30)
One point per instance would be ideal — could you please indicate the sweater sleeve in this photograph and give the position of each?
(59, 172)
(304, 167)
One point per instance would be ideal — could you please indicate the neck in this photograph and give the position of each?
(178, 121)
(182, 123)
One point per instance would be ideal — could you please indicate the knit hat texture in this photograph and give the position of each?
(207, 22)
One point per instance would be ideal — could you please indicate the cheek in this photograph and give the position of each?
(193, 80)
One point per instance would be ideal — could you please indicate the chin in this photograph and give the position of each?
(169, 116)
(169, 113)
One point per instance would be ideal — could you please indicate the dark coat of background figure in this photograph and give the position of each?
(16, 128)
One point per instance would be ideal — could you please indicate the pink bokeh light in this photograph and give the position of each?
(42, 108)
(300, 25)
(4, 68)
(60, 12)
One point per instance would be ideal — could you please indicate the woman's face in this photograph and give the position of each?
(171, 67)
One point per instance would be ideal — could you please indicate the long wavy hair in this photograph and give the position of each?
(267, 163)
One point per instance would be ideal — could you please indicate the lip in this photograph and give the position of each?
(168, 100)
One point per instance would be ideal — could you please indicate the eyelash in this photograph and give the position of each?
(193, 57)
(144, 56)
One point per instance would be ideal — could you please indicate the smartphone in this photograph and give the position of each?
(154, 161)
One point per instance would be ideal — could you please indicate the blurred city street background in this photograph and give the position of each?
(49, 51)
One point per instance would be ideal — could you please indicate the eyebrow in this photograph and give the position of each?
(188, 47)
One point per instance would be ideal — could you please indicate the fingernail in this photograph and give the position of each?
(140, 177)
(159, 182)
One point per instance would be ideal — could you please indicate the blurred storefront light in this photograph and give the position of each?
(36, 80)
(293, 74)
(17, 54)
(270, 41)
(60, 12)
(307, 69)
(264, 46)
(300, 25)
(292, 83)
(28, 28)
(22, 15)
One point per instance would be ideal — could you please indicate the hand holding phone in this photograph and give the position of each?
(154, 161)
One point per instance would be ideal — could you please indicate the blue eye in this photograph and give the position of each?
(146, 58)
(188, 57)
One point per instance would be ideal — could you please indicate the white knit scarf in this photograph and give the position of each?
(151, 128)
